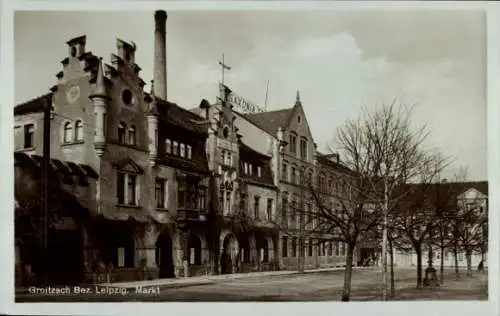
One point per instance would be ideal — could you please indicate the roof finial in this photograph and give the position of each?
(297, 98)
(100, 87)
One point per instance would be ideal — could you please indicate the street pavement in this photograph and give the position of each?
(319, 286)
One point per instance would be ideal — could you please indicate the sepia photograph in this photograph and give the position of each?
(250, 156)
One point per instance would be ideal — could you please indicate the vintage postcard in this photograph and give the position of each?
(210, 155)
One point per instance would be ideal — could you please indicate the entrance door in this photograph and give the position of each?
(164, 256)
(225, 260)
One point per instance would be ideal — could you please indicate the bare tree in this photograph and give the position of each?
(414, 217)
(384, 150)
(348, 220)
(468, 229)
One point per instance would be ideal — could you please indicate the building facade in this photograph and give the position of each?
(148, 189)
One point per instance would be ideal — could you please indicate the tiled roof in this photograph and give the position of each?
(245, 148)
(270, 121)
(34, 105)
(442, 193)
(172, 113)
(326, 161)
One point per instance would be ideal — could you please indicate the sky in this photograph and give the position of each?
(340, 61)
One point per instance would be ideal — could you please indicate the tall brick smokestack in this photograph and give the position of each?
(160, 58)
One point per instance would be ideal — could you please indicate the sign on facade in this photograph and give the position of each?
(225, 144)
(241, 104)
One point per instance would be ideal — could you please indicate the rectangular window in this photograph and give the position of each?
(303, 149)
(259, 171)
(256, 210)
(284, 246)
(330, 248)
(309, 215)
(284, 173)
(269, 209)
(189, 151)
(342, 249)
(202, 198)
(175, 150)
(161, 193)
(183, 150)
(229, 159)
(131, 136)
(245, 166)
(250, 169)
(293, 175)
(29, 134)
(284, 211)
(293, 143)
(131, 189)
(181, 194)
(121, 257)
(168, 146)
(228, 202)
(222, 157)
(120, 186)
(294, 247)
(337, 248)
(127, 189)
(310, 249)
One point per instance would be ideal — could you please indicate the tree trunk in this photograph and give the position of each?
(418, 251)
(468, 257)
(391, 251)
(385, 280)
(346, 291)
(455, 255)
(441, 267)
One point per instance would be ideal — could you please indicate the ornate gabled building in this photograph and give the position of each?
(150, 196)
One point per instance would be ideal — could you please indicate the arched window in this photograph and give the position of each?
(68, 132)
(79, 130)
(131, 135)
(121, 132)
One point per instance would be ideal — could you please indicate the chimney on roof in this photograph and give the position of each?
(160, 55)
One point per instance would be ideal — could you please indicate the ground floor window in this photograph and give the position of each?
(294, 247)
(284, 248)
